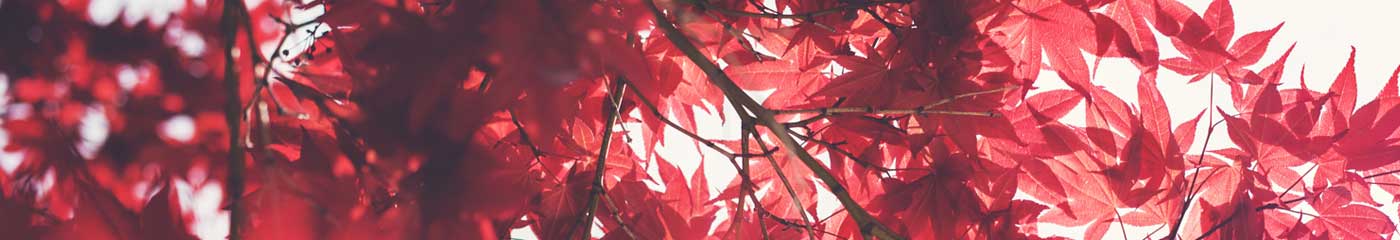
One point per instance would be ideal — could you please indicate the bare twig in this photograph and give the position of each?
(867, 223)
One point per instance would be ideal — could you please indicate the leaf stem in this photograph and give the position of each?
(1191, 189)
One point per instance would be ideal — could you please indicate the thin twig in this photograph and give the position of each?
(657, 113)
(1191, 189)
(1296, 181)
(787, 185)
(925, 109)
(837, 148)
(1381, 174)
(868, 225)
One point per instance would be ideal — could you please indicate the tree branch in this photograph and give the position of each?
(233, 13)
(614, 97)
(616, 217)
(868, 225)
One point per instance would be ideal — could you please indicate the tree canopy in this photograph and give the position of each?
(574, 119)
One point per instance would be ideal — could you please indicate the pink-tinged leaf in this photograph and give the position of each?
(1057, 31)
(1344, 89)
(1273, 72)
(1105, 114)
(1113, 40)
(1164, 21)
(1132, 16)
(1052, 105)
(1186, 133)
(1239, 131)
(1252, 46)
(790, 83)
(1042, 176)
(1183, 66)
(1221, 18)
(1372, 140)
(1155, 117)
(1337, 216)
(1390, 90)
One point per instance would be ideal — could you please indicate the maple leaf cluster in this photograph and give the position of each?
(453, 119)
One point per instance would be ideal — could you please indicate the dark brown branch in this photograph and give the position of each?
(611, 113)
(233, 13)
(868, 225)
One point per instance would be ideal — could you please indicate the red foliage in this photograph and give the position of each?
(466, 119)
